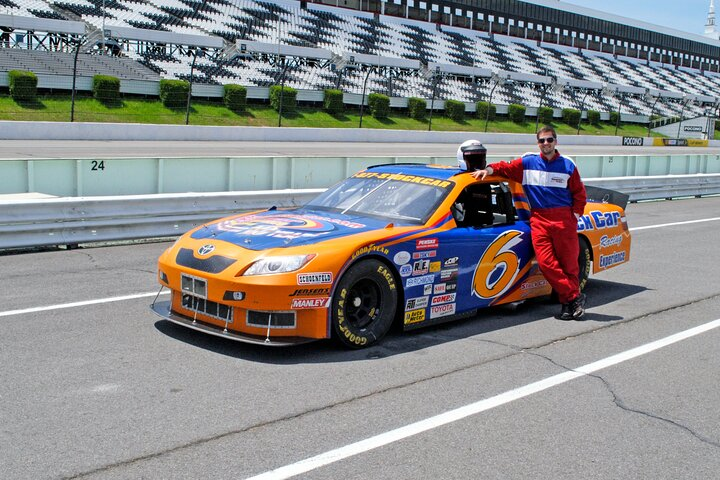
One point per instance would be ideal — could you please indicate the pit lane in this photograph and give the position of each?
(103, 389)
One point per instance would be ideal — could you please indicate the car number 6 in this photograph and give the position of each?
(498, 267)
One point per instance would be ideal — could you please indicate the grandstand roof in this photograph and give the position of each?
(631, 22)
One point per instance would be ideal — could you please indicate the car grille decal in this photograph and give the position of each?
(214, 264)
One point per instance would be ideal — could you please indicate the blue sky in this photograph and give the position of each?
(686, 15)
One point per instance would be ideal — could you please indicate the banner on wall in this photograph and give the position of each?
(633, 141)
(680, 142)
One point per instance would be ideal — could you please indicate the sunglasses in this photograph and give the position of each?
(546, 140)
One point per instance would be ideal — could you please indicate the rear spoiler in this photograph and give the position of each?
(605, 195)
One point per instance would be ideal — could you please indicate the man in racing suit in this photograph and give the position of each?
(557, 198)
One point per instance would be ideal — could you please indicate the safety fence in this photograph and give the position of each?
(72, 221)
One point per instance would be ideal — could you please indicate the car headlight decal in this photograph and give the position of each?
(280, 264)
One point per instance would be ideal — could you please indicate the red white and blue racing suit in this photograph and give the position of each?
(556, 194)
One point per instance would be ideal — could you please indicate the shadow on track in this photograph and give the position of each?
(396, 342)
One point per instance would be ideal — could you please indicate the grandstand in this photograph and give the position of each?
(481, 51)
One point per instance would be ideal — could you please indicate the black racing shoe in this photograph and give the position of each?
(578, 306)
(566, 313)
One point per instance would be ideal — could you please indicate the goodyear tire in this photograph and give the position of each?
(584, 259)
(364, 304)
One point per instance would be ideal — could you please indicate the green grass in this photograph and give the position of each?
(132, 110)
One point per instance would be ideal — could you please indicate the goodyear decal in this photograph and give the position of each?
(433, 182)
(369, 248)
(498, 266)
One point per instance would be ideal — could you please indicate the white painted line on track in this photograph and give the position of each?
(445, 418)
(10, 313)
(674, 224)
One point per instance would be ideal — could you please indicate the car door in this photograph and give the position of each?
(483, 260)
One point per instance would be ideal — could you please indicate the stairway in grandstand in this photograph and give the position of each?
(341, 30)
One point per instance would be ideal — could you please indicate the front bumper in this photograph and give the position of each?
(163, 310)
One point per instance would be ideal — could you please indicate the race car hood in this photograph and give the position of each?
(286, 228)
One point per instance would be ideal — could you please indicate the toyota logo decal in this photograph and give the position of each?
(206, 249)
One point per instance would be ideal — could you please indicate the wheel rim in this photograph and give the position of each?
(363, 303)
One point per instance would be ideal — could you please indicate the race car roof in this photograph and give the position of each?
(441, 172)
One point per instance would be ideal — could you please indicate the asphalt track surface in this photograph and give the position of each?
(94, 386)
(121, 149)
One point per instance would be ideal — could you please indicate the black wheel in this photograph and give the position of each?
(364, 304)
(584, 259)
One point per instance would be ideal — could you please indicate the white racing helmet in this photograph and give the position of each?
(471, 155)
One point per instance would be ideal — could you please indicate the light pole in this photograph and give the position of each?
(617, 121)
(582, 105)
(192, 71)
(362, 100)
(285, 65)
(687, 100)
(432, 99)
(498, 80)
(654, 98)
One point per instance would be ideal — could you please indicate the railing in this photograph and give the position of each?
(71, 221)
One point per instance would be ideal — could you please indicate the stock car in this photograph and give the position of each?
(409, 243)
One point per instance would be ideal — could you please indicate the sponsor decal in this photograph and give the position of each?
(415, 281)
(402, 257)
(633, 141)
(428, 254)
(414, 316)
(307, 292)
(607, 261)
(448, 274)
(287, 226)
(533, 284)
(450, 287)
(426, 243)
(434, 267)
(440, 299)
(427, 289)
(421, 267)
(606, 241)
(336, 221)
(693, 128)
(417, 302)
(370, 248)
(442, 310)
(451, 262)
(439, 288)
(599, 220)
(300, 303)
(314, 278)
(406, 270)
(206, 250)
(433, 182)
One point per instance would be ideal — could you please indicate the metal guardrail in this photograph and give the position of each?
(71, 221)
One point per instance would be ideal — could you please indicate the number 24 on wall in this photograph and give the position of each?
(96, 165)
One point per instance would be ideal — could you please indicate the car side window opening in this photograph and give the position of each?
(484, 205)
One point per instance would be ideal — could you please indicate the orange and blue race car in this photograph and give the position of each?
(408, 243)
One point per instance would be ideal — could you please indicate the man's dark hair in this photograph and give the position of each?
(546, 129)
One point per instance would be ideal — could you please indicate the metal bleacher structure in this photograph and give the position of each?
(452, 62)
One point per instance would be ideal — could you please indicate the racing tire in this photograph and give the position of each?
(364, 304)
(584, 261)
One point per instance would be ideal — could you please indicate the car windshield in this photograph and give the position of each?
(384, 197)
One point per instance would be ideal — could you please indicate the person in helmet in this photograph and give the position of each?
(557, 199)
